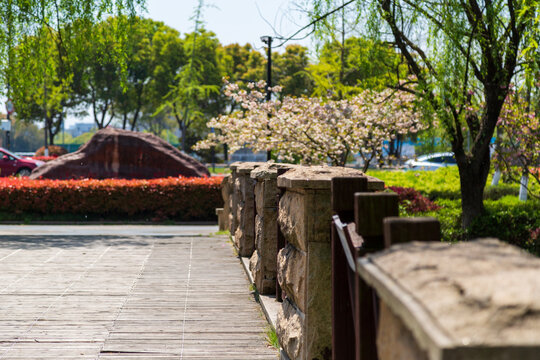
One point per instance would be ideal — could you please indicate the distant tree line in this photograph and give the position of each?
(150, 77)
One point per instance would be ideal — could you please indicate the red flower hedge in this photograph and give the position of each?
(174, 198)
(44, 158)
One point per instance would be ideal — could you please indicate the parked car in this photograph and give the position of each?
(431, 161)
(11, 164)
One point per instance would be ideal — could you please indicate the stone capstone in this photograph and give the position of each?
(122, 154)
(482, 298)
(320, 177)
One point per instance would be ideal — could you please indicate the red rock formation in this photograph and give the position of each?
(122, 154)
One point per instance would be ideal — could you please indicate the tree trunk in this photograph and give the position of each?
(473, 176)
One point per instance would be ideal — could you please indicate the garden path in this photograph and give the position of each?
(125, 293)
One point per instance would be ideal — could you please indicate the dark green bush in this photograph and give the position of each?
(510, 220)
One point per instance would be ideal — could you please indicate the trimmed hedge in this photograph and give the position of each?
(180, 199)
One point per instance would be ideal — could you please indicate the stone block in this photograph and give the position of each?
(319, 177)
(244, 234)
(290, 330)
(222, 220)
(226, 194)
(318, 298)
(472, 300)
(292, 219)
(394, 340)
(265, 194)
(291, 274)
(305, 217)
(266, 237)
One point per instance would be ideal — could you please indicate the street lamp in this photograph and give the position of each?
(268, 41)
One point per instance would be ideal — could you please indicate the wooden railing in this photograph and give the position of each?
(363, 223)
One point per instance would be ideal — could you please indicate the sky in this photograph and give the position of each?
(233, 21)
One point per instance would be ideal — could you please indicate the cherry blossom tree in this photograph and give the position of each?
(311, 130)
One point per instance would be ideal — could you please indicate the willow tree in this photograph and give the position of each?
(463, 55)
(61, 21)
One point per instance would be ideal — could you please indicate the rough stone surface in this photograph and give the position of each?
(292, 218)
(122, 154)
(320, 177)
(266, 245)
(233, 202)
(292, 267)
(290, 330)
(318, 300)
(305, 216)
(244, 235)
(394, 340)
(481, 293)
(266, 237)
(221, 219)
(226, 194)
(264, 270)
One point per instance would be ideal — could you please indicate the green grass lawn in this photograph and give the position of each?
(506, 217)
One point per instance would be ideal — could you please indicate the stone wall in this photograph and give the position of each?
(225, 215)
(244, 208)
(304, 264)
(263, 261)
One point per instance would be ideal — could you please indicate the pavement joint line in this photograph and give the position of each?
(13, 253)
(53, 303)
(186, 301)
(133, 285)
(3, 292)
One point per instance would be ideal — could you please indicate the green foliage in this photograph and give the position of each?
(241, 63)
(289, 71)
(271, 338)
(366, 64)
(510, 220)
(26, 136)
(505, 218)
(41, 47)
(431, 141)
(441, 183)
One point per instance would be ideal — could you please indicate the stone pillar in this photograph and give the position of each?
(244, 208)
(224, 219)
(233, 199)
(472, 300)
(263, 261)
(304, 325)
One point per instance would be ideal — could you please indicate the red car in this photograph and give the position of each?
(11, 164)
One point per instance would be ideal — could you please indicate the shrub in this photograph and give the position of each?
(510, 220)
(412, 201)
(54, 150)
(443, 183)
(44, 158)
(170, 198)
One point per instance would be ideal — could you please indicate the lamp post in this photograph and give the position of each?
(268, 41)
